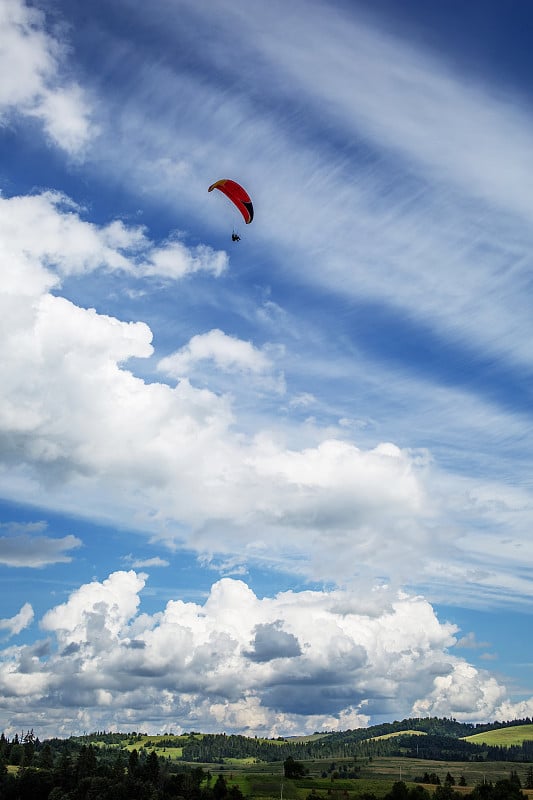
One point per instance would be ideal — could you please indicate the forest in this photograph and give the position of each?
(119, 766)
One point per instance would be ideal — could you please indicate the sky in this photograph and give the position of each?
(281, 485)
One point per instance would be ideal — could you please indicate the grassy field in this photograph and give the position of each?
(154, 743)
(377, 777)
(398, 733)
(264, 781)
(312, 737)
(504, 737)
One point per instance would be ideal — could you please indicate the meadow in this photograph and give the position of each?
(503, 737)
(327, 777)
(377, 777)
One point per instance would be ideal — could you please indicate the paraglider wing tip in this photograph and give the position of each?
(250, 209)
(216, 184)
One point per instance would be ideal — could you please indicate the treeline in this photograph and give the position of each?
(215, 748)
(94, 773)
(442, 740)
(444, 748)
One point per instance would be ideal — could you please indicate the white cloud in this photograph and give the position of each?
(31, 64)
(227, 352)
(44, 234)
(227, 664)
(470, 642)
(176, 460)
(96, 608)
(145, 563)
(65, 117)
(464, 694)
(16, 624)
(75, 421)
(175, 260)
(400, 96)
(81, 432)
(230, 366)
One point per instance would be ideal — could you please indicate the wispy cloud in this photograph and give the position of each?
(145, 563)
(23, 547)
(34, 81)
(470, 642)
(432, 221)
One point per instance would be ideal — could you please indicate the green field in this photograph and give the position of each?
(377, 777)
(504, 737)
(154, 743)
(398, 733)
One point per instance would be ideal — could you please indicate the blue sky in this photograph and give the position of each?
(280, 485)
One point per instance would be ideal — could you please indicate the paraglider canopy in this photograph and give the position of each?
(238, 196)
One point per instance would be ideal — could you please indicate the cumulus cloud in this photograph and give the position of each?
(81, 430)
(175, 260)
(271, 641)
(227, 352)
(105, 606)
(44, 236)
(296, 662)
(465, 693)
(31, 64)
(215, 355)
(22, 620)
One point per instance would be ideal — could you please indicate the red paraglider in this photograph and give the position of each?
(238, 196)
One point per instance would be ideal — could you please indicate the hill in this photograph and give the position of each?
(426, 738)
(437, 739)
(503, 737)
(398, 733)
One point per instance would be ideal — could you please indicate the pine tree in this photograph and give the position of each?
(46, 757)
(151, 768)
(133, 763)
(220, 789)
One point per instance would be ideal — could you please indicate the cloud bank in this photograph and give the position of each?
(296, 662)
